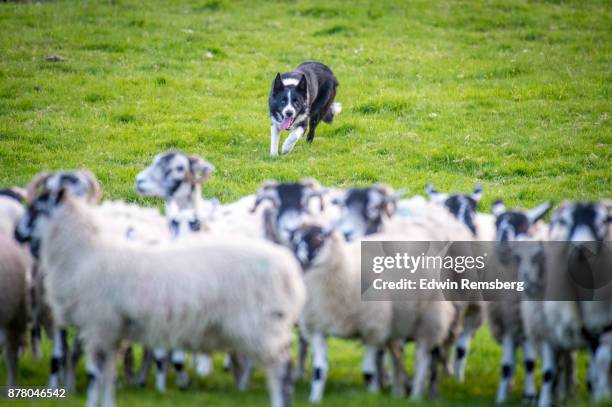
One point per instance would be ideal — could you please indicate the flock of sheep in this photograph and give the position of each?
(238, 277)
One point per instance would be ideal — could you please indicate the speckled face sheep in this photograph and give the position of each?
(581, 224)
(504, 317)
(363, 210)
(290, 204)
(462, 206)
(177, 177)
(258, 285)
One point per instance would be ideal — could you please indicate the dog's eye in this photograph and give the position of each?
(284, 101)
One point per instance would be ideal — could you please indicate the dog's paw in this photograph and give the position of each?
(336, 108)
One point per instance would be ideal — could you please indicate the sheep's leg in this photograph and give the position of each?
(35, 341)
(58, 358)
(601, 361)
(147, 357)
(203, 364)
(399, 373)
(461, 352)
(178, 358)
(302, 354)
(369, 369)
(548, 368)
(227, 362)
(319, 367)
(94, 380)
(529, 387)
(280, 382)
(108, 369)
(12, 356)
(72, 360)
(128, 364)
(161, 368)
(507, 370)
(422, 365)
(434, 384)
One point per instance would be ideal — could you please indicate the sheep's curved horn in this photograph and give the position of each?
(33, 187)
(538, 212)
(498, 208)
(95, 191)
(265, 193)
(314, 190)
(200, 169)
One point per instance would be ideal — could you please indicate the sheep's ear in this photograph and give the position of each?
(200, 169)
(95, 191)
(609, 219)
(477, 194)
(34, 186)
(313, 190)
(434, 195)
(538, 212)
(498, 208)
(278, 83)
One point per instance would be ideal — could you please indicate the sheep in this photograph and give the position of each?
(542, 318)
(505, 317)
(231, 294)
(123, 221)
(379, 209)
(577, 223)
(11, 209)
(14, 310)
(482, 227)
(334, 307)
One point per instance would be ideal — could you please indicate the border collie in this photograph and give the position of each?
(300, 99)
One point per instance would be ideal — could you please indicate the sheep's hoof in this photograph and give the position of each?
(529, 399)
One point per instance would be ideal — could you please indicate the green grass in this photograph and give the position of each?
(515, 95)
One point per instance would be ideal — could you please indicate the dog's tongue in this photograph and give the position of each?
(285, 123)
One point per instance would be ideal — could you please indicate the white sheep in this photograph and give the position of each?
(122, 221)
(379, 209)
(334, 307)
(200, 295)
(541, 319)
(580, 225)
(11, 209)
(14, 310)
(504, 317)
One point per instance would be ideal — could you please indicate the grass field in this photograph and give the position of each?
(515, 95)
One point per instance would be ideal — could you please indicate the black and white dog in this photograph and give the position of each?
(300, 99)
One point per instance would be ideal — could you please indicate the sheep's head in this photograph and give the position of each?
(462, 206)
(514, 225)
(308, 243)
(43, 206)
(581, 222)
(81, 183)
(291, 203)
(173, 175)
(363, 210)
(531, 265)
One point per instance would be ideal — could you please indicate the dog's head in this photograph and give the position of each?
(288, 100)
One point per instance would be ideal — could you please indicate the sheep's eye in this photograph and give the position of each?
(180, 168)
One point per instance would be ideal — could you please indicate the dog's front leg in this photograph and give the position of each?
(293, 137)
(274, 139)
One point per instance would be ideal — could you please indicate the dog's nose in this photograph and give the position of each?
(289, 113)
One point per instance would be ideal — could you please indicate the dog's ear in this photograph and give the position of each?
(302, 85)
(278, 83)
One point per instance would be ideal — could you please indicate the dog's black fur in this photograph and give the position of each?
(312, 97)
